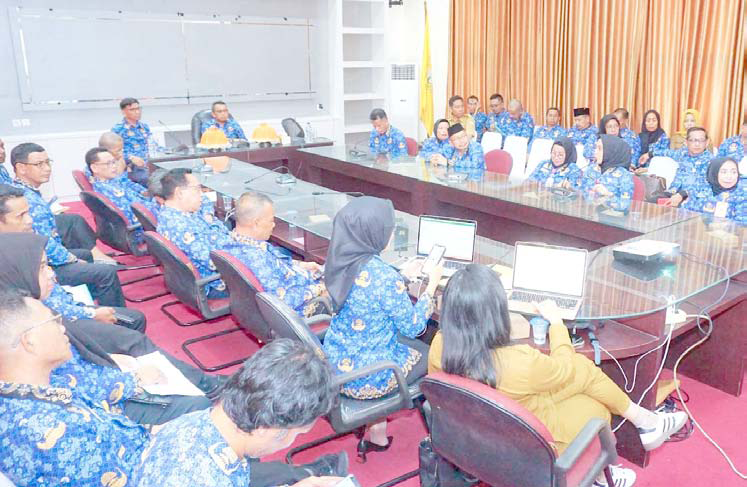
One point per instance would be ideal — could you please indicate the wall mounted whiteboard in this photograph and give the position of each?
(66, 58)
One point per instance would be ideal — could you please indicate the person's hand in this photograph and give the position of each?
(601, 190)
(434, 278)
(675, 200)
(318, 482)
(641, 170)
(438, 160)
(411, 270)
(643, 159)
(137, 161)
(549, 311)
(565, 184)
(105, 314)
(150, 375)
(312, 267)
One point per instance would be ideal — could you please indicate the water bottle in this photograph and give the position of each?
(152, 147)
(309, 133)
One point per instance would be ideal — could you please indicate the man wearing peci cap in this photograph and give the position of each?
(583, 132)
(463, 152)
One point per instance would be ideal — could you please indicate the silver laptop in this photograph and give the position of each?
(548, 272)
(458, 236)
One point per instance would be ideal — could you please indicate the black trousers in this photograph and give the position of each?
(139, 175)
(101, 279)
(75, 232)
(134, 319)
(271, 474)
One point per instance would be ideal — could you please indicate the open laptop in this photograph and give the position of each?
(458, 236)
(548, 272)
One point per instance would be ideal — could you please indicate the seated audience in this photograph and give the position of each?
(114, 144)
(434, 147)
(207, 207)
(137, 139)
(583, 132)
(690, 119)
(4, 175)
(608, 181)
(458, 114)
(652, 137)
(497, 110)
(563, 389)
(222, 120)
(375, 319)
(630, 137)
(463, 152)
(720, 194)
(480, 118)
(734, 146)
(693, 162)
(297, 283)
(385, 139)
(552, 129)
(610, 124)
(277, 394)
(181, 222)
(560, 170)
(33, 168)
(516, 122)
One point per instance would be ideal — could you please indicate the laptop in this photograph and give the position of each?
(458, 236)
(548, 272)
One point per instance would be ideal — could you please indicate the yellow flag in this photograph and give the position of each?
(426, 83)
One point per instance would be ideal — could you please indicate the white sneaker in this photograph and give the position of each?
(621, 476)
(669, 423)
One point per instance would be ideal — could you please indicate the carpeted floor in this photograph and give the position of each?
(693, 462)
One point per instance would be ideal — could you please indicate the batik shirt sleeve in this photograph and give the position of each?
(481, 124)
(432, 146)
(122, 195)
(63, 303)
(5, 176)
(44, 224)
(732, 147)
(135, 139)
(631, 138)
(619, 182)
(660, 145)
(473, 158)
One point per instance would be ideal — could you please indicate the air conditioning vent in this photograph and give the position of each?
(403, 72)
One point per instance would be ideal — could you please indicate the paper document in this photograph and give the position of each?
(81, 294)
(175, 383)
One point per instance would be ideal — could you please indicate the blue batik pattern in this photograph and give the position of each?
(549, 176)
(732, 147)
(587, 137)
(494, 121)
(191, 451)
(701, 199)
(5, 176)
(523, 127)
(392, 142)
(57, 436)
(195, 237)
(481, 124)
(135, 139)
(365, 329)
(432, 146)
(634, 142)
(231, 128)
(691, 170)
(545, 132)
(618, 181)
(62, 302)
(472, 158)
(44, 224)
(277, 273)
(123, 192)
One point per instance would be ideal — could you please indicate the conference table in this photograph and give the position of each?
(624, 305)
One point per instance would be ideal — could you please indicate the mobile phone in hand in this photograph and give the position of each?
(349, 481)
(433, 259)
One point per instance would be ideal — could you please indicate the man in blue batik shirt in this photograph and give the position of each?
(735, 145)
(517, 122)
(552, 129)
(137, 137)
(222, 120)
(693, 160)
(583, 132)
(385, 139)
(497, 111)
(463, 153)
(630, 137)
(4, 175)
(481, 119)
(277, 394)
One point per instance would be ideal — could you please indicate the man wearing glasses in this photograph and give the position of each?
(34, 168)
(693, 162)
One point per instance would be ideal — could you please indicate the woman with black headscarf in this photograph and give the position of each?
(720, 194)
(610, 125)
(23, 266)
(609, 182)
(561, 169)
(434, 146)
(653, 138)
(374, 310)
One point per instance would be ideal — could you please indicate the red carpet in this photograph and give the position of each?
(693, 462)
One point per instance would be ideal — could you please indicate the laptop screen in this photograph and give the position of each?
(554, 270)
(458, 236)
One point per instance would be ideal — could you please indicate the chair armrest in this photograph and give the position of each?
(204, 281)
(404, 392)
(595, 428)
(316, 319)
(325, 302)
(133, 227)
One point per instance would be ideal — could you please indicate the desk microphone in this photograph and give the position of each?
(283, 178)
(356, 152)
(182, 147)
(355, 194)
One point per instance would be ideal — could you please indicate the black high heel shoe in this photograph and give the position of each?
(365, 446)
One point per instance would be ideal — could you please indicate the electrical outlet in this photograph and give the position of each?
(319, 106)
(25, 122)
(16, 123)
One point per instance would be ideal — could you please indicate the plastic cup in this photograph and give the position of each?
(539, 330)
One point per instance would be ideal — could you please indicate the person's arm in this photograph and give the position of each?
(539, 174)
(399, 144)
(391, 294)
(622, 192)
(238, 130)
(371, 145)
(63, 303)
(97, 382)
(477, 157)
(552, 371)
(43, 224)
(575, 177)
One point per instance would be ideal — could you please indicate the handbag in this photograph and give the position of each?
(654, 187)
(436, 471)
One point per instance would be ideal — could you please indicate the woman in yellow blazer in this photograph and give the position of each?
(563, 389)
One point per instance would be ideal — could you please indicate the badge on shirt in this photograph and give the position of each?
(401, 145)
(130, 133)
(376, 141)
(733, 147)
(721, 208)
(389, 140)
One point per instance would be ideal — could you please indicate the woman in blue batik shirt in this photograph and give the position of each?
(434, 146)
(652, 137)
(720, 194)
(735, 145)
(375, 318)
(561, 169)
(609, 182)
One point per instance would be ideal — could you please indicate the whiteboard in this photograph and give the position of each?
(68, 57)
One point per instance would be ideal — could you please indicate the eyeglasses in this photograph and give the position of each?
(110, 163)
(47, 163)
(193, 186)
(56, 318)
(697, 141)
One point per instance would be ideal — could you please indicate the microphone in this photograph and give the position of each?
(283, 178)
(355, 194)
(182, 147)
(357, 152)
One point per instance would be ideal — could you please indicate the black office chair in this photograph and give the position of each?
(197, 119)
(293, 129)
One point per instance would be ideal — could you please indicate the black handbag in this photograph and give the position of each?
(435, 471)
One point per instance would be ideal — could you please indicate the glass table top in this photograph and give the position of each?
(191, 152)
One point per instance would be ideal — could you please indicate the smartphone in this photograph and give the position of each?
(433, 259)
(349, 481)
(577, 340)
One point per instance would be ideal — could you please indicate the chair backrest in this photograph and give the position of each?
(147, 219)
(581, 161)
(197, 119)
(639, 189)
(82, 180)
(286, 323)
(179, 273)
(487, 434)
(491, 141)
(517, 147)
(498, 161)
(243, 287)
(111, 223)
(664, 167)
(412, 146)
(540, 152)
(292, 128)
